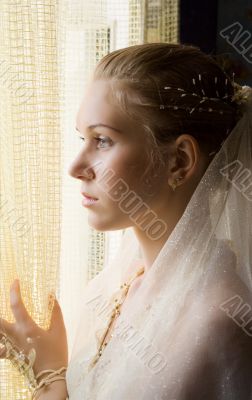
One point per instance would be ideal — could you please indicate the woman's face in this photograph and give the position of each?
(118, 152)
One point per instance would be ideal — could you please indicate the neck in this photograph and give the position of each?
(149, 247)
(168, 209)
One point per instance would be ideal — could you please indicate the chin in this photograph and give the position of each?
(111, 224)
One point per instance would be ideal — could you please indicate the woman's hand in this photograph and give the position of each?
(50, 345)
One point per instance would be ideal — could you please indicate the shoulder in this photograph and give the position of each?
(225, 351)
(220, 335)
(230, 331)
(228, 300)
(227, 316)
(226, 313)
(222, 364)
(221, 357)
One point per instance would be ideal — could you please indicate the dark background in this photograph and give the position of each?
(201, 23)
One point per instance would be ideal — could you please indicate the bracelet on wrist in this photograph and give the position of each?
(24, 364)
(53, 376)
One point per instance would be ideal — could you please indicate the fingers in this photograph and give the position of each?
(57, 321)
(2, 351)
(5, 328)
(18, 308)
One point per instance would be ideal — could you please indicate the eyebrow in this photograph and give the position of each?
(102, 125)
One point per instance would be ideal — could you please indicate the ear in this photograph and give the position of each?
(188, 156)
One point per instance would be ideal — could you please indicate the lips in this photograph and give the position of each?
(85, 194)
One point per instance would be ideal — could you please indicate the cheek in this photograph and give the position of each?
(131, 176)
(127, 165)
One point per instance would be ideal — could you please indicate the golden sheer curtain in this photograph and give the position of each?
(47, 51)
(30, 162)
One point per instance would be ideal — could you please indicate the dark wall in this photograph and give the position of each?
(222, 28)
(198, 23)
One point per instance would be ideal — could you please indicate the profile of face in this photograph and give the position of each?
(113, 149)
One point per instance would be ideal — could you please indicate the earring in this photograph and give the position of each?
(174, 183)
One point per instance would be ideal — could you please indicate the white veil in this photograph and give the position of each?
(192, 304)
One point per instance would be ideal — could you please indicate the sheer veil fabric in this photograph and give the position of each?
(192, 304)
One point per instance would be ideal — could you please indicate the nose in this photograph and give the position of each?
(79, 169)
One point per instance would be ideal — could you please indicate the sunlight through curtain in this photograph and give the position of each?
(30, 162)
(47, 52)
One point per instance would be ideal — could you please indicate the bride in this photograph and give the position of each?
(167, 158)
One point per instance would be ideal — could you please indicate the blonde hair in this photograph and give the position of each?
(138, 76)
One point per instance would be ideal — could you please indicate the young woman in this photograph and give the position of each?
(167, 157)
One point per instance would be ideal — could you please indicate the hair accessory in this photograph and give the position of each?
(242, 94)
(226, 84)
(216, 82)
(191, 110)
(240, 97)
(200, 81)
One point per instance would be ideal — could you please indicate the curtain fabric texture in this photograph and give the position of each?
(30, 163)
(47, 52)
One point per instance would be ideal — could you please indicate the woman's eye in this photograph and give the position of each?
(99, 140)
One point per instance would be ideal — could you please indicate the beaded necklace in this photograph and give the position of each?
(115, 313)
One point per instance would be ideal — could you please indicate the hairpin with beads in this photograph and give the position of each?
(203, 98)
